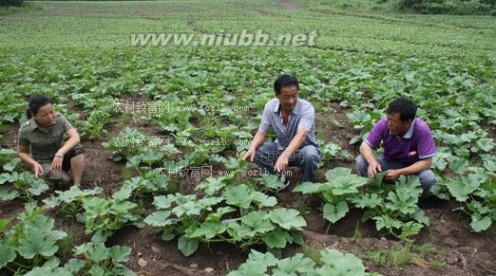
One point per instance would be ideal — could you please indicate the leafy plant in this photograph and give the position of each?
(15, 184)
(70, 202)
(478, 191)
(331, 262)
(105, 216)
(336, 192)
(29, 243)
(97, 259)
(394, 208)
(94, 126)
(230, 213)
(102, 260)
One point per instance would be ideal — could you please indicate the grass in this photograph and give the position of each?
(110, 24)
(400, 255)
(27, 7)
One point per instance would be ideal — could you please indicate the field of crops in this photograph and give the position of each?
(164, 126)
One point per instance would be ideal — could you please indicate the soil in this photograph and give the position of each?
(458, 250)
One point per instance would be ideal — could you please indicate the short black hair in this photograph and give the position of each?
(35, 103)
(406, 108)
(285, 81)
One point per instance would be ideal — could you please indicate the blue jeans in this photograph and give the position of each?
(427, 177)
(307, 158)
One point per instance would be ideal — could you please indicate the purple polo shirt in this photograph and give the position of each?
(416, 144)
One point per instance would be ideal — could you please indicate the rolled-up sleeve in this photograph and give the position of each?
(65, 124)
(374, 137)
(426, 145)
(22, 139)
(307, 119)
(265, 123)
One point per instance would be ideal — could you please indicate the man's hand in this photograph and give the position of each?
(57, 162)
(281, 163)
(38, 169)
(250, 154)
(392, 175)
(374, 167)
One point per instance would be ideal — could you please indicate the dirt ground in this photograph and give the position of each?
(457, 248)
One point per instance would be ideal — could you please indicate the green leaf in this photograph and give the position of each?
(37, 242)
(219, 213)
(120, 253)
(367, 200)
(264, 200)
(187, 246)
(208, 230)
(480, 223)
(256, 264)
(74, 265)
(297, 263)
(159, 218)
(240, 195)
(389, 223)
(276, 238)
(7, 253)
(168, 235)
(97, 253)
(337, 263)
(401, 202)
(461, 188)
(96, 270)
(240, 232)
(49, 267)
(287, 218)
(336, 212)
(11, 165)
(309, 188)
(486, 144)
(38, 187)
(212, 185)
(6, 194)
(421, 217)
(409, 229)
(83, 248)
(271, 182)
(259, 221)
(164, 202)
(5, 178)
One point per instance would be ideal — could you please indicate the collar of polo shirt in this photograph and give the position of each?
(409, 133)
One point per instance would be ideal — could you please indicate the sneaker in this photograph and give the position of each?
(285, 182)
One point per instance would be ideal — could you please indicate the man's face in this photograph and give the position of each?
(45, 115)
(395, 125)
(287, 97)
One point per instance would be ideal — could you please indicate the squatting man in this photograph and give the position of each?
(293, 121)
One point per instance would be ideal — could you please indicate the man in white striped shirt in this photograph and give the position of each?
(293, 121)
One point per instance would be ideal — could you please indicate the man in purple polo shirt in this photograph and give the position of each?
(293, 121)
(408, 146)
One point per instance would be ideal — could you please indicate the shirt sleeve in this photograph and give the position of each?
(65, 124)
(426, 146)
(265, 123)
(374, 137)
(22, 139)
(307, 119)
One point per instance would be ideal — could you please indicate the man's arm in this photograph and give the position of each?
(68, 145)
(256, 142)
(368, 154)
(294, 145)
(414, 168)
